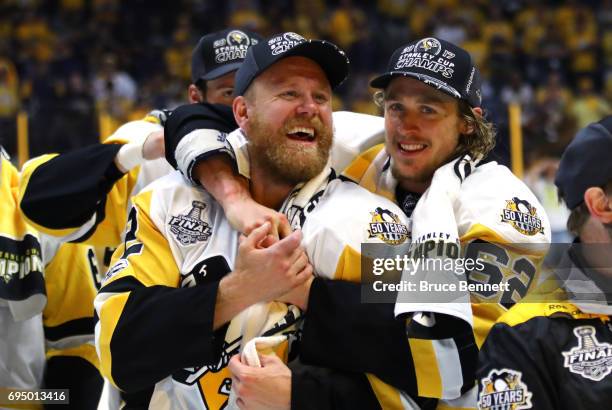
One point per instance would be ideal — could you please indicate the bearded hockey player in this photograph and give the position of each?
(284, 113)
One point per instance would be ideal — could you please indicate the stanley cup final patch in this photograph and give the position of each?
(590, 359)
(504, 389)
(189, 228)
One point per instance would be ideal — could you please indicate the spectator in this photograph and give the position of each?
(588, 106)
(114, 90)
(9, 104)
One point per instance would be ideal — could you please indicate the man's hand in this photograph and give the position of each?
(244, 214)
(298, 296)
(261, 274)
(267, 387)
(153, 146)
(272, 271)
(216, 174)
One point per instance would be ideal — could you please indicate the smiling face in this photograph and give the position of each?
(422, 127)
(287, 117)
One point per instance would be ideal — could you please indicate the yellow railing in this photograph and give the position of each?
(107, 125)
(516, 139)
(23, 145)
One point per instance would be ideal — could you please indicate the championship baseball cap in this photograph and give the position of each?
(258, 58)
(220, 53)
(437, 63)
(586, 162)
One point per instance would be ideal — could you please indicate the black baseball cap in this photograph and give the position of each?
(220, 53)
(437, 63)
(586, 162)
(329, 56)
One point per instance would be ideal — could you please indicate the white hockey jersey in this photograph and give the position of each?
(179, 238)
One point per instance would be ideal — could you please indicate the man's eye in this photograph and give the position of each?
(289, 94)
(395, 107)
(321, 98)
(228, 93)
(427, 110)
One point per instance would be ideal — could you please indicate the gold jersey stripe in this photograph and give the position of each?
(429, 381)
(387, 396)
(87, 352)
(109, 317)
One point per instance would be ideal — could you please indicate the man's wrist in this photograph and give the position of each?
(306, 294)
(232, 299)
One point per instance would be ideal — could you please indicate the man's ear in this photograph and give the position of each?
(239, 106)
(599, 204)
(195, 95)
(467, 127)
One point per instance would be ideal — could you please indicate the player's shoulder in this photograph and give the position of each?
(493, 176)
(354, 133)
(493, 198)
(168, 189)
(349, 122)
(344, 197)
(553, 306)
(375, 156)
(355, 215)
(523, 312)
(172, 180)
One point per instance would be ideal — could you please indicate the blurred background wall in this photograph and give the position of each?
(65, 62)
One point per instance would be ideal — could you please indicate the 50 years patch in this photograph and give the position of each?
(504, 389)
(522, 216)
(387, 227)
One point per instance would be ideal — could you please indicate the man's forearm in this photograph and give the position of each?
(232, 299)
(218, 177)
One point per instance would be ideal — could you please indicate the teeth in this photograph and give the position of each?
(295, 130)
(412, 147)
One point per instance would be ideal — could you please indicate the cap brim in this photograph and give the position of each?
(221, 71)
(383, 80)
(332, 60)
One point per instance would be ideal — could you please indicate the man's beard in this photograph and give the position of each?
(421, 177)
(287, 160)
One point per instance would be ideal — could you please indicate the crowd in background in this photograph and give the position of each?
(65, 61)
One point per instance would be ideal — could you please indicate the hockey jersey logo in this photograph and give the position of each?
(190, 228)
(590, 359)
(214, 380)
(504, 390)
(522, 216)
(387, 227)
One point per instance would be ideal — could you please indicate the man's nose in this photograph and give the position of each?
(407, 123)
(308, 106)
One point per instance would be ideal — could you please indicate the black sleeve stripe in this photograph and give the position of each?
(126, 284)
(83, 326)
(56, 199)
(187, 118)
(445, 327)
(340, 332)
(177, 322)
(326, 389)
(468, 357)
(100, 215)
(79, 376)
